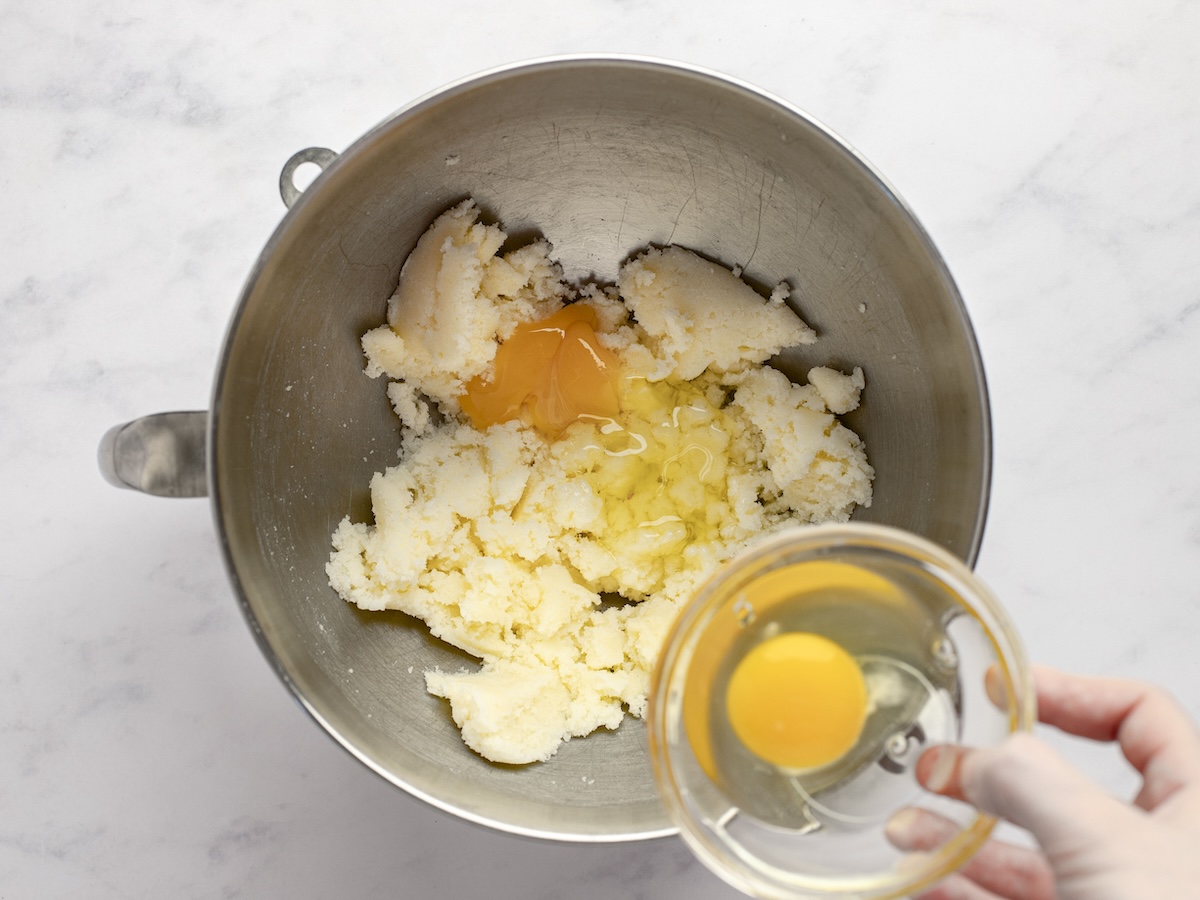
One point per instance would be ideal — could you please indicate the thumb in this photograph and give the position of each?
(1027, 783)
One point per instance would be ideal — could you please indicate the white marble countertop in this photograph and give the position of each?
(147, 749)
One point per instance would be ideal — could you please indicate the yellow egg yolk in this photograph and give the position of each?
(794, 585)
(551, 373)
(797, 700)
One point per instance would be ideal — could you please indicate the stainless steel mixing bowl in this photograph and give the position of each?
(602, 156)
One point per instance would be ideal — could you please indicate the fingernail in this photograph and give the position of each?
(997, 690)
(899, 825)
(937, 774)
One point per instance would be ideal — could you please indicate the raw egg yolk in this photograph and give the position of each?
(797, 700)
(551, 373)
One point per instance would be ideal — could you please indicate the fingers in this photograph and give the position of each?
(957, 887)
(998, 868)
(1030, 785)
(1153, 731)
(1098, 708)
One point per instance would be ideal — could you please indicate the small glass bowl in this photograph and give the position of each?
(924, 633)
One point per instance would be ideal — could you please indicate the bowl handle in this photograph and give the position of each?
(288, 189)
(163, 454)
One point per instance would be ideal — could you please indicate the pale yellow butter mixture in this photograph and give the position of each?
(505, 542)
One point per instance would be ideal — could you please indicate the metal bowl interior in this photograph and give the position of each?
(603, 157)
